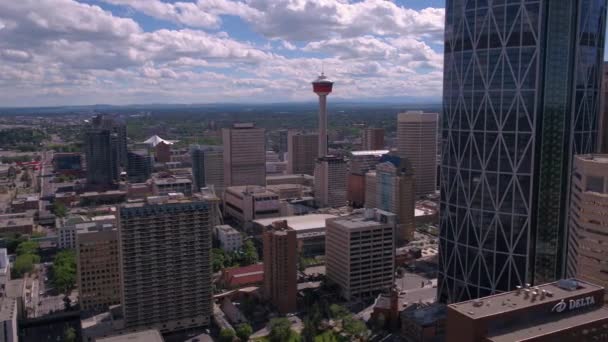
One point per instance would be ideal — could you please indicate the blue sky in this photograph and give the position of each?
(72, 52)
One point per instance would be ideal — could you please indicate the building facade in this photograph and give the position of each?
(508, 138)
(248, 203)
(360, 252)
(207, 167)
(101, 152)
(164, 186)
(417, 141)
(230, 239)
(98, 273)
(588, 231)
(603, 118)
(280, 266)
(302, 152)
(139, 166)
(331, 178)
(244, 155)
(165, 268)
(395, 193)
(372, 138)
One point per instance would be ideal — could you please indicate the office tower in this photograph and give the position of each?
(395, 193)
(519, 99)
(101, 157)
(165, 251)
(119, 128)
(360, 162)
(280, 266)
(603, 117)
(162, 152)
(372, 139)
(244, 155)
(98, 273)
(67, 163)
(207, 167)
(322, 87)
(139, 166)
(417, 141)
(283, 143)
(302, 152)
(371, 195)
(360, 252)
(588, 231)
(331, 174)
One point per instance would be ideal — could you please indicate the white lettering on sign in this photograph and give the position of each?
(573, 304)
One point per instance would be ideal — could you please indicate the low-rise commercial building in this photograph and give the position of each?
(566, 310)
(21, 223)
(25, 202)
(250, 202)
(237, 277)
(424, 322)
(230, 239)
(360, 252)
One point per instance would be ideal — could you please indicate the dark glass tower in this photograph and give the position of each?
(521, 96)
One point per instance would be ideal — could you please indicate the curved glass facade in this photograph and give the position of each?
(521, 95)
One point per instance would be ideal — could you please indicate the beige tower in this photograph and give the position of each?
(372, 139)
(588, 231)
(244, 155)
(417, 141)
(331, 178)
(280, 266)
(360, 252)
(302, 151)
(165, 253)
(98, 268)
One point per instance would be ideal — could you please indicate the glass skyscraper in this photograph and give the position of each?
(521, 97)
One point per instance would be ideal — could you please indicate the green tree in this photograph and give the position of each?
(69, 335)
(309, 330)
(243, 331)
(24, 264)
(338, 311)
(64, 270)
(218, 259)
(27, 247)
(280, 330)
(250, 255)
(354, 327)
(227, 335)
(59, 209)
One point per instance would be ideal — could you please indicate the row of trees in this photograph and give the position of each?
(64, 270)
(245, 256)
(27, 257)
(243, 331)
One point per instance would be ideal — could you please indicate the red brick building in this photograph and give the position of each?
(280, 266)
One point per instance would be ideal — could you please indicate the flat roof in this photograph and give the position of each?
(369, 152)
(140, 336)
(291, 175)
(165, 181)
(7, 309)
(511, 301)
(300, 222)
(536, 329)
(358, 220)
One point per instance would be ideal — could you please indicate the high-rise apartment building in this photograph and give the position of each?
(244, 155)
(360, 252)
(302, 152)
(603, 117)
(371, 195)
(394, 192)
(417, 141)
(331, 175)
(372, 138)
(588, 231)
(207, 167)
(280, 266)
(165, 251)
(139, 166)
(101, 153)
(98, 263)
(521, 96)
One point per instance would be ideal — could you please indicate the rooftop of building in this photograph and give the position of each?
(171, 180)
(363, 218)
(300, 222)
(239, 276)
(227, 229)
(155, 140)
(254, 190)
(27, 197)
(104, 193)
(170, 198)
(7, 309)
(290, 176)
(14, 288)
(597, 158)
(376, 153)
(525, 297)
(540, 326)
(16, 221)
(140, 336)
(406, 298)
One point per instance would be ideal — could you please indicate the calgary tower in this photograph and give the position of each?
(322, 87)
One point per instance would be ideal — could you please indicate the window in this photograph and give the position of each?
(595, 184)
